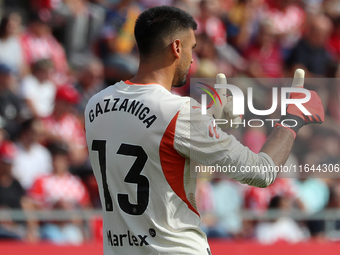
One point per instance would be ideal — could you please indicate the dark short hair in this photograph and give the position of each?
(42, 64)
(27, 125)
(157, 23)
(58, 148)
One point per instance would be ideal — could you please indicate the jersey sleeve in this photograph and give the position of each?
(197, 139)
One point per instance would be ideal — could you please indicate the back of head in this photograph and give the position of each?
(42, 64)
(58, 148)
(275, 202)
(27, 125)
(156, 25)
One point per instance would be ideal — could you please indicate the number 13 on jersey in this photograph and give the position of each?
(133, 176)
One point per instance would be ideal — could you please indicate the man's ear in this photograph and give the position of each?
(176, 48)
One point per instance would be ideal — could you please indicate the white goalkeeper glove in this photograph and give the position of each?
(224, 111)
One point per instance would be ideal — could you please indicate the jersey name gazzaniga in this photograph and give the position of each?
(134, 107)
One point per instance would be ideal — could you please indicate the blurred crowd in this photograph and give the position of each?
(56, 54)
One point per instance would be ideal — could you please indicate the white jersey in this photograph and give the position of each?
(139, 143)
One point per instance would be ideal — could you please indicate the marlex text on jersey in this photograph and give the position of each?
(134, 107)
(131, 240)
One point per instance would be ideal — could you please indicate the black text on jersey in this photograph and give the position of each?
(126, 239)
(118, 104)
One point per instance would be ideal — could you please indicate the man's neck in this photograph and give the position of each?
(150, 74)
(26, 144)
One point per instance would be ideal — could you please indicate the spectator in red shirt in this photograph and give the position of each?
(39, 43)
(210, 24)
(64, 125)
(258, 199)
(287, 19)
(333, 44)
(60, 190)
(264, 56)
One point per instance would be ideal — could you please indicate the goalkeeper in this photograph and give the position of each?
(141, 139)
